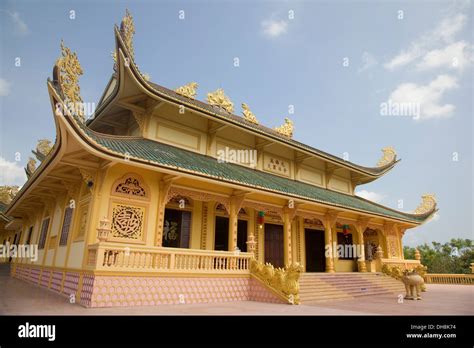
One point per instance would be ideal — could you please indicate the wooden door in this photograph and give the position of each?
(274, 245)
(315, 258)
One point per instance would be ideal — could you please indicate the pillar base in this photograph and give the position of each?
(361, 266)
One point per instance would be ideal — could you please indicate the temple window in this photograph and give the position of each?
(177, 228)
(44, 231)
(66, 226)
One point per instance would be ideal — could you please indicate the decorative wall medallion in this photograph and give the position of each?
(127, 221)
(131, 185)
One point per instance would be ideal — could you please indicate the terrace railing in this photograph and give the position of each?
(459, 279)
(105, 256)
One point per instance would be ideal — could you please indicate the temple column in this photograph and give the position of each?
(288, 215)
(164, 187)
(328, 221)
(388, 231)
(234, 208)
(360, 227)
(233, 215)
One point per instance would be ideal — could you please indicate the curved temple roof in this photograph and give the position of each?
(372, 173)
(163, 155)
(156, 154)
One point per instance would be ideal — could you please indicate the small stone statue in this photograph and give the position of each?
(413, 284)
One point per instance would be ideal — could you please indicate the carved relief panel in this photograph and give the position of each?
(128, 215)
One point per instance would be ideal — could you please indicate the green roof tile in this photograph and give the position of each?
(170, 156)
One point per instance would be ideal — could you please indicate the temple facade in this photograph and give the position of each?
(163, 198)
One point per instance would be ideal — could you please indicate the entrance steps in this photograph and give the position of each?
(315, 287)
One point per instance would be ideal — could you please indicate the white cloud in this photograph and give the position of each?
(4, 87)
(443, 34)
(20, 25)
(368, 61)
(454, 56)
(11, 173)
(428, 97)
(371, 196)
(272, 28)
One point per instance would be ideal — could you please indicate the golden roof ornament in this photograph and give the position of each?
(66, 72)
(43, 148)
(30, 167)
(7, 193)
(428, 204)
(248, 115)
(127, 30)
(189, 90)
(286, 129)
(113, 54)
(389, 156)
(218, 98)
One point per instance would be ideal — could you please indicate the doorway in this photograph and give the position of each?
(315, 258)
(274, 245)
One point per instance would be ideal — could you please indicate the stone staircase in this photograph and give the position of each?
(316, 287)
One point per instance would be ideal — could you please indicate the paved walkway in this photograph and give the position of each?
(20, 298)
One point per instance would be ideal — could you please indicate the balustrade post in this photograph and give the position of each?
(172, 261)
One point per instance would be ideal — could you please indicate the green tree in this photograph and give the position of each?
(454, 256)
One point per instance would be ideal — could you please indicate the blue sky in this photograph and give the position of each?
(335, 61)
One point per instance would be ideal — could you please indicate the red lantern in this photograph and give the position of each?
(261, 217)
(345, 229)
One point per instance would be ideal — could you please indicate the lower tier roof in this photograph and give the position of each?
(186, 161)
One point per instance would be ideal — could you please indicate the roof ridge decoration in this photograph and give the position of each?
(30, 167)
(43, 148)
(66, 72)
(248, 115)
(7, 193)
(127, 30)
(219, 99)
(189, 90)
(427, 205)
(286, 129)
(389, 156)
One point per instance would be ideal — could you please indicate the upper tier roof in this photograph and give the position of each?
(366, 174)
